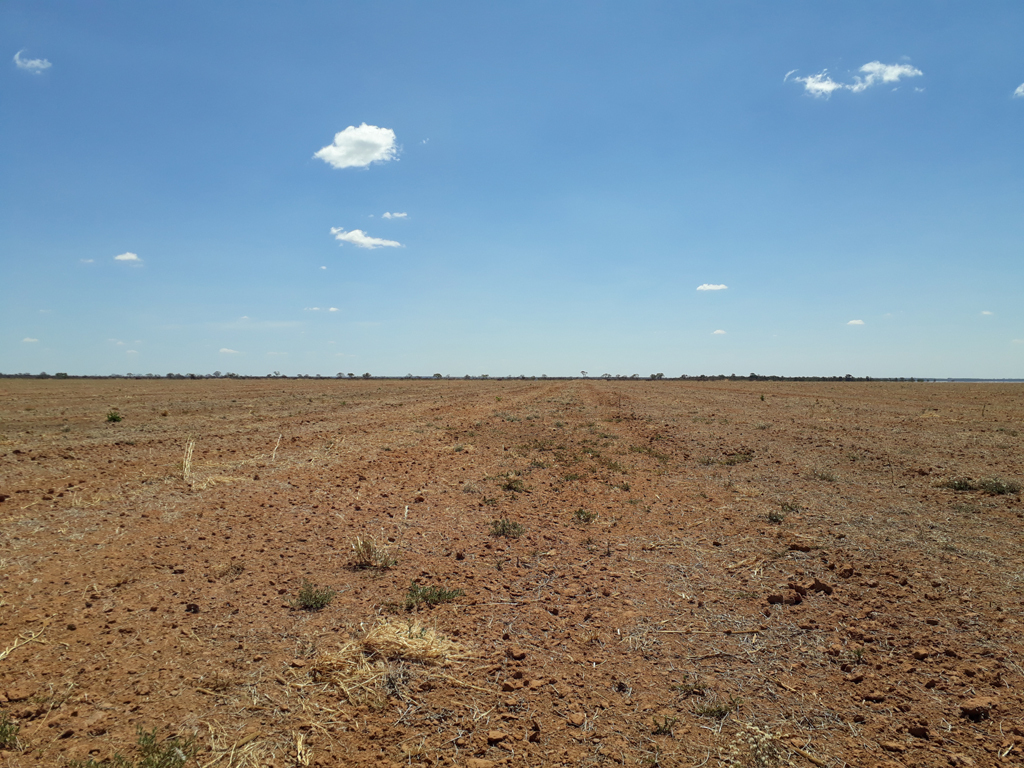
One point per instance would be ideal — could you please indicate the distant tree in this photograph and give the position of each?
(606, 375)
(277, 373)
(583, 374)
(60, 375)
(216, 374)
(366, 376)
(351, 375)
(657, 376)
(635, 376)
(437, 375)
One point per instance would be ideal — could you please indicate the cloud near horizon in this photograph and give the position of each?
(358, 147)
(856, 322)
(388, 215)
(822, 85)
(360, 239)
(27, 340)
(129, 256)
(711, 287)
(1019, 93)
(35, 66)
(227, 351)
(718, 333)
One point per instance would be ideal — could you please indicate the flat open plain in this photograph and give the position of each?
(699, 564)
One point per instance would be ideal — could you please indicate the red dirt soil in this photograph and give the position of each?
(727, 573)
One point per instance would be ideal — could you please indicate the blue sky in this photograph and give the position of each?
(570, 173)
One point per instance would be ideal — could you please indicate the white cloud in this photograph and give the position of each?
(27, 340)
(877, 72)
(856, 322)
(822, 85)
(1017, 341)
(131, 352)
(333, 309)
(323, 267)
(358, 147)
(129, 256)
(1019, 93)
(87, 261)
(718, 333)
(710, 287)
(394, 215)
(311, 309)
(35, 66)
(226, 351)
(362, 240)
(986, 312)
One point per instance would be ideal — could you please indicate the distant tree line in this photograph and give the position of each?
(480, 377)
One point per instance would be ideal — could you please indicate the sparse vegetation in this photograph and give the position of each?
(513, 485)
(507, 528)
(435, 595)
(113, 416)
(716, 708)
(175, 752)
(367, 554)
(584, 516)
(8, 732)
(990, 485)
(664, 727)
(776, 516)
(824, 475)
(313, 598)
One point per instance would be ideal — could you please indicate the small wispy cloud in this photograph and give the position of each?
(132, 352)
(87, 261)
(856, 322)
(718, 333)
(226, 351)
(388, 215)
(360, 239)
(711, 287)
(28, 340)
(311, 309)
(358, 147)
(822, 85)
(1019, 93)
(333, 309)
(1017, 341)
(35, 66)
(986, 312)
(323, 267)
(130, 257)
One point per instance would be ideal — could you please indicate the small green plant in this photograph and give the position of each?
(507, 528)
(514, 485)
(824, 475)
(8, 732)
(790, 507)
(689, 688)
(490, 501)
(736, 458)
(366, 554)
(776, 516)
(114, 416)
(716, 708)
(584, 516)
(313, 598)
(664, 728)
(418, 595)
(572, 476)
(762, 398)
(858, 654)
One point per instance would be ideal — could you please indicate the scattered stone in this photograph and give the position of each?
(979, 707)
(516, 653)
(892, 746)
(496, 737)
(479, 762)
(19, 693)
(577, 719)
(919, 731)
(921, 654)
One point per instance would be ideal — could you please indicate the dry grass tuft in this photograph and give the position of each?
(376, 666)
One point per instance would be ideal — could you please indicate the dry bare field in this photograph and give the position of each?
(512, 573)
